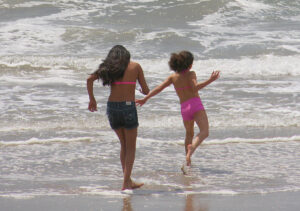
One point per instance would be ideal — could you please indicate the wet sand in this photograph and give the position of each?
(157, 200)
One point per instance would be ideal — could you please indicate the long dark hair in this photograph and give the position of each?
(181, 61)
(114, 65)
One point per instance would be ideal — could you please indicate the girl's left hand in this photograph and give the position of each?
(140, 102)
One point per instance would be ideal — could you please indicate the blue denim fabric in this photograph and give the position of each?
(122, 115)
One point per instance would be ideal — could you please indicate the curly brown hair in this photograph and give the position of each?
(181, 61)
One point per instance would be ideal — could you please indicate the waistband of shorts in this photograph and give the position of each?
(121, 104)
(191, 100)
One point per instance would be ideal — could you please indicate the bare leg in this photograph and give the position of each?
(202, 122)
(121, 135)
(130, 137)
(189, 133)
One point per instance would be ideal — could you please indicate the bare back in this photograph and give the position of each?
(126, 92)
(184, 84)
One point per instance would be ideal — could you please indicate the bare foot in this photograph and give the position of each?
(183, 169)
(127, 185)
(136, 185)
(188, 155)
(131, 185)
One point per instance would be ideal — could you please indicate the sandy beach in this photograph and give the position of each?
(158, 200)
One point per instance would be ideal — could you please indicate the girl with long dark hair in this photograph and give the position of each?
(121, 74)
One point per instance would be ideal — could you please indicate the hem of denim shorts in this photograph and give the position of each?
(127, 128)
(132, 127)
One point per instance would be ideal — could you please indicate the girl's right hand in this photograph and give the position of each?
(93, 105)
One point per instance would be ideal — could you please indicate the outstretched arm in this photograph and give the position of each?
(214, 76)
(89, 84)
(155, 91)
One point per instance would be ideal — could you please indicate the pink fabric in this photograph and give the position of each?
(184, 71)
(190, 107)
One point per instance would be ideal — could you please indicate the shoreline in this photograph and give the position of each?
(287, 201)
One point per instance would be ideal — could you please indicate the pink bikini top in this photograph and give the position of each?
(124, 82)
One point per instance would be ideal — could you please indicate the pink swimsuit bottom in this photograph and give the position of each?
(190, 107)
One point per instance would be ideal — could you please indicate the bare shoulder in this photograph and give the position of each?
(134, 65)
(192, 74)
(173, 77)
(93, 77)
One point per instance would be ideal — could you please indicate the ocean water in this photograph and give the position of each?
(51, 145)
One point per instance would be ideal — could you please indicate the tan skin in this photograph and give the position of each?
(119, 93)
(181, 80)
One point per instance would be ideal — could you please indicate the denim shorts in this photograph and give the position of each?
(122, 115)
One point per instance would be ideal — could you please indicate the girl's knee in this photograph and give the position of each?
(206, 133)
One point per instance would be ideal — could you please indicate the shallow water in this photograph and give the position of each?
(48, 136)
